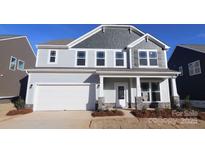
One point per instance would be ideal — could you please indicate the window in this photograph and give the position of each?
(194, 68)
(119, 59)
(100, 58)
(150, 91)
(12, 65)
(81, 58)
(20, 65)
(148, 58)
(52, 57)
(181, 70)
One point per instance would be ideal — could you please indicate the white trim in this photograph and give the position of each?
(62, 84)
(148, 58)
(56, 57)
(130, 57)
(86, 58)
(94, 49)
(19, 60)
(5, 97)
(11, 38)
(37, 58)
(97, 29)
(125, 85)
(95, 60)
(148, 36)
(101, 88)
(30, 46)
(165, 58)
(150, 91)
(144, 77)
(194, 68)
(15, 63)
(124, 59)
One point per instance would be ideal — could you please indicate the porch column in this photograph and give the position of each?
(138, 99)
(101, 94)
(174, 87)
(175, 97)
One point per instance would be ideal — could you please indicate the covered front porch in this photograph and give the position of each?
(134, 90)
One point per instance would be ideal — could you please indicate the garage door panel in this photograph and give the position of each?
(65, 97)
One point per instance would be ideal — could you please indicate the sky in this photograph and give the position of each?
(172, 34)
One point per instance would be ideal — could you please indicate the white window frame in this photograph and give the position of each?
(194, 68)
(23, 65)
(124, 59)
(56, 57)
(150, 91)
(10, 63)
(76, 58)
(105, 65)
(148, 58)
(181, 71)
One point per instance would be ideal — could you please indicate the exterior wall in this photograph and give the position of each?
(35, 78)
(67, 57)
(148, 45)
(193, 86)
(12, 82)
(109, 89)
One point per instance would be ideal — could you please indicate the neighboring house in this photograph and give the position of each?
(16, 55)
(189, 59)
(111, 66)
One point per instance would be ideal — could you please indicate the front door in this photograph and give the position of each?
(121, 96)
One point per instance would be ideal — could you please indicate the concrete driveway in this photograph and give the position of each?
(46, 120)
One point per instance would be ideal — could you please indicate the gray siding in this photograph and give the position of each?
(148, 45)
(111, 38)
(12, 81)
(67, 58)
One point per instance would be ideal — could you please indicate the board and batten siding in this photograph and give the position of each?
(148, 45)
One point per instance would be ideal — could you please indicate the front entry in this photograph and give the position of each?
(121, 94)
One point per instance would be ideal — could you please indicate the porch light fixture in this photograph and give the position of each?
(31, 85)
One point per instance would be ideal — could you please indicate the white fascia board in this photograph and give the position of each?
(151, 38)
(60, 70)
(85, 36)
(138, 72)
(11, 38)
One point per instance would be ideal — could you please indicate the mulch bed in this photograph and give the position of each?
(20, 111)
(201, 115)
(166, 113)
(107, 113)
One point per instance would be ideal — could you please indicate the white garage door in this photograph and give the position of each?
(64, 97)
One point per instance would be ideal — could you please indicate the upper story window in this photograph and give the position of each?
(119, 59)
(81, 58)
(52, 58)
(194, 68)
(148, 58)
(12, 65)
(181, 70)
(21, 65)
(100, 58)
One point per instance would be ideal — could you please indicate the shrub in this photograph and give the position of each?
(20, 111)
(187, 103)
(18, 103)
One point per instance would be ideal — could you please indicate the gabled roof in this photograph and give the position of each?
(102, 28)
(195, 47)
(149, 37)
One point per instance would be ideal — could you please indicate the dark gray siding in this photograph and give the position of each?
(193, 86)
(111, 38)
(148, 45)
(11, 81)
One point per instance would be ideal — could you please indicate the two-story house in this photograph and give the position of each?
(111, 66)
(189, 60)
(16, 55)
